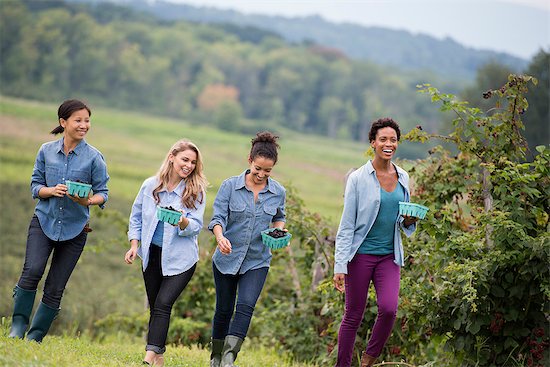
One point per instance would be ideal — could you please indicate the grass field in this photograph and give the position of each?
(119, 351)
(134, 145)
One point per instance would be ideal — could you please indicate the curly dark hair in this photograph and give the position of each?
(265, 145)
(382, 123)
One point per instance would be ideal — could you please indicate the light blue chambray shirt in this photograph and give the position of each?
(242, 221)
(180, 249)
(361, 206)
(61, 218)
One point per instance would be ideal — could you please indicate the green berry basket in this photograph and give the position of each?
(168, 216)
(275, 243)
(79, 189)
(413, 210)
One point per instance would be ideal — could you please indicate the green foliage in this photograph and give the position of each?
(537, 116)
(478, 266)
(493, 75)
(121, 60)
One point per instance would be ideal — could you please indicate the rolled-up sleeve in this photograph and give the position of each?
(221, 206)
(38, 178)
(346, 230)
(195, 217)
(100, 177)
(135, 222)
(280, 216)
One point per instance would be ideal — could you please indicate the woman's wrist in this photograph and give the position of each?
(90, 202)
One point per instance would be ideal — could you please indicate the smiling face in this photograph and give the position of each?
(77, 125)
(385, 143)
(183, 163)
(260, 169)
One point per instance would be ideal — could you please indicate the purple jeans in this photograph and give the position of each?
(385, 275)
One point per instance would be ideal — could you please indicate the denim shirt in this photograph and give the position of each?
(61, 218)
(361, 206)
(180, 249)
(242, 221)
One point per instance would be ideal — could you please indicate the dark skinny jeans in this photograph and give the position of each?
(249, 286)
(162, 293)
(64, 259)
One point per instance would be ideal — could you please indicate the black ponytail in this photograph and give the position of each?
(66, 110)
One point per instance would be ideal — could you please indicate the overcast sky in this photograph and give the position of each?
(518, 27)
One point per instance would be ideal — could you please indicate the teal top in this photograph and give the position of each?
(158, 236)
(379, 240)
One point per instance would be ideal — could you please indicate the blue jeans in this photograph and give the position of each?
(249, 286)
(162, 293)
(64, 259)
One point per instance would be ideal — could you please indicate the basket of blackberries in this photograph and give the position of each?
(275, 238)
(78, 188)
(168, 214)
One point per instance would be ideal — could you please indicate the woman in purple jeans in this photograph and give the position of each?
(368, 243)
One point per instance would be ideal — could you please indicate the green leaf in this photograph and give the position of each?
(497, 291)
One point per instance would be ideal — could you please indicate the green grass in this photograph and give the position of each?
(134, 146)
(122, 350)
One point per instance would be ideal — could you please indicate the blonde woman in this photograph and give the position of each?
(169, 253)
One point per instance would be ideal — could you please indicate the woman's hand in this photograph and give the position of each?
(408, 220)
(223, 244)
(130, 255)
(58, 190)
(339, 281)
(77, 199)
(183, 222)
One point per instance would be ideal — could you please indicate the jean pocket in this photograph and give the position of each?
(80, 176)
(237, 211)
(266, 216)
(53, 176)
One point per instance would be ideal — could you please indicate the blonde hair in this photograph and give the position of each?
(195, 183)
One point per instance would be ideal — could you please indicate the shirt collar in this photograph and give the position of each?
(178, 190)
(241, 182)
(370, 168)
(77, 150)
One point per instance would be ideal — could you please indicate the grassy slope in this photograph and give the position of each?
(134, 146)
(121, 351)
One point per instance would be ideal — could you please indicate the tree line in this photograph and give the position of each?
(238, 78)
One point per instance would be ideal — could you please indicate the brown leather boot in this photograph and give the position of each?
(366, 360)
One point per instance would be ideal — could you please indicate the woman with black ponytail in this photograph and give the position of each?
(59, 223)
(244, 206)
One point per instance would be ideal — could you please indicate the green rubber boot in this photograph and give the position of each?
(231, 348)
(216, 355)
(23, 301)
(41, 322)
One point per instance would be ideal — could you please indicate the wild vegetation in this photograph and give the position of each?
(475, 289)
(476, 286)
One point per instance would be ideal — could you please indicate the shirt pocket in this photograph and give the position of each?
(53, 175)
(237, 211)
(266, 215)
(78, 175)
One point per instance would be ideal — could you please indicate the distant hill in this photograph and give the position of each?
(408, 51)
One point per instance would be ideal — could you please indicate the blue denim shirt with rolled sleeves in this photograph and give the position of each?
(180, 249)
(361, 206)
(61, 218)
(242, 221)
